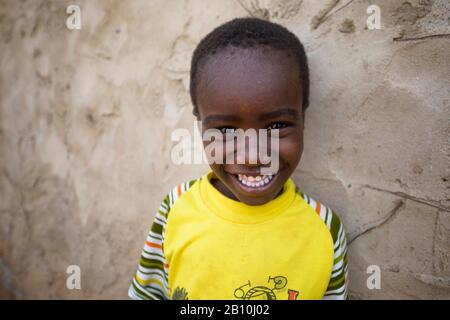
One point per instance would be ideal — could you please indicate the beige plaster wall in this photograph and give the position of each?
(86, 117)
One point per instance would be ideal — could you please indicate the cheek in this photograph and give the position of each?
(215, 149)
(291, 149)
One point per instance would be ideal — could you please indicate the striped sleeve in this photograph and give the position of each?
(337, 287)
(150, 281)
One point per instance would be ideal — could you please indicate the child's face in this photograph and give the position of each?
(253, 89)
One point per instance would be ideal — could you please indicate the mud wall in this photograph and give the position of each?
(86, 117)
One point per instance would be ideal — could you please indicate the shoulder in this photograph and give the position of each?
(174, 195)
(329, 217)
(162, 214)
(337, 287)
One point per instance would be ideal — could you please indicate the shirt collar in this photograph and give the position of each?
(238, 212)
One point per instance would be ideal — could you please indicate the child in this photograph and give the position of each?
(236, 233)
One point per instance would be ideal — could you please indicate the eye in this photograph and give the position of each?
(226, 130)
(277, 125)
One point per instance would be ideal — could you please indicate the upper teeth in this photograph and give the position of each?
(255, 181)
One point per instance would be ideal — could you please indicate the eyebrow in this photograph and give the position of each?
(281, 112)
(273, 114)
(219, 117)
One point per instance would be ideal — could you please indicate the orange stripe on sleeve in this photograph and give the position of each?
(154, 245)
(318, 207)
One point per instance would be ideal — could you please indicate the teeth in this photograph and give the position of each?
(255, 181)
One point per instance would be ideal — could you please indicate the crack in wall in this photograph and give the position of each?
(433, 245)
(441, 282)
(442, 35)
(319, 18)
(431, 203)
(376, 224)
(335, 11)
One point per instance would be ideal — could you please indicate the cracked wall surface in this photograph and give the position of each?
(86, 118)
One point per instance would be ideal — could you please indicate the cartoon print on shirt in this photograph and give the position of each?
(180, 294)
(263, 292)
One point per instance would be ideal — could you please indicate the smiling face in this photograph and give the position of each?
(252, 89)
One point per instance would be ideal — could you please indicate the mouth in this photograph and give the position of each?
(254, 184)
(254, 181)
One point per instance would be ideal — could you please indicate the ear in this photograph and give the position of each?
(195, 113)
(303, 115)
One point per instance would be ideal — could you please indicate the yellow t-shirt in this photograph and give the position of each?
(203, 245)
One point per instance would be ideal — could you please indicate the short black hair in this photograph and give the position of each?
(247, 33)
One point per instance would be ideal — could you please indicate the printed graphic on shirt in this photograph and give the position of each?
(180, 294)
(292, 294)
(249, 292)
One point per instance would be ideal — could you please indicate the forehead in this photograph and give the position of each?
(247, 82)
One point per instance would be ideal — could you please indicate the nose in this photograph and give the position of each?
(251, 157)
(248, 148)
